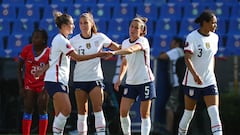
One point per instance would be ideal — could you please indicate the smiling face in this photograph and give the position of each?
(212, 24)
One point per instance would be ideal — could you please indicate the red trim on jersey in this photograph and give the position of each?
(60, 59)
(188, 51)
(186, 77)
(69, 52)
(57, 73)
(139, 45)
(109, 45)
(145, 57)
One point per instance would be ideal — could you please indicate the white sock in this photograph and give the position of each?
(216, 125)
(59, 124)
(146, 126)
(82, 124)
(126, 125)
(185, 121)
(100, 123)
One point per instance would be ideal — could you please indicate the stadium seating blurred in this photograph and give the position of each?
(5, 28)
(101, 11)
(148, 10)
(186, 26)
(76, 10)
(233, 44)
(165, 17)
(160, 44)
(23, 26)
(8, 12)
(167, 26)
(171, 11)
(29, 11)
(15, 43)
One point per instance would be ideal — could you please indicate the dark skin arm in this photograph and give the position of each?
(191, 68)
(20, 75)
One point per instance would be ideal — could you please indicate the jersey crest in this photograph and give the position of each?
(88, 45)
(207, 45)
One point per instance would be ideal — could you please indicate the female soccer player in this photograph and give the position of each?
(32, 58)
(199, 80)
(88, 75)
(57, 75)
(139, 79)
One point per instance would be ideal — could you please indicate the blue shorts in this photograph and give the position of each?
(145, 91)
(197, 93)
(53, 87)
(88, 86)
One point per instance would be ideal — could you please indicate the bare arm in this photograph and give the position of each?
(41, 71)
(20, 75)
(78, 57)
(191, 68)
(115, 46)
(128, 50)
(122, 73)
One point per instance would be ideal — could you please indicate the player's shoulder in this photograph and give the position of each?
(28, 47)
(99, 34)
(214, 35)
(193, 34)
(75, 37)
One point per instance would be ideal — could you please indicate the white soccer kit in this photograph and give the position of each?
(59, 61)
(203, 49)
(89, 70)
(139, 70)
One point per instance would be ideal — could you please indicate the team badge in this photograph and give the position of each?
(207, 45)
(125, 91)
(191, 92)
(88, 45)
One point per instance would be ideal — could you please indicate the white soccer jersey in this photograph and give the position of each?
(203, 49)
(139, 70)
(89, 70)
(173, 55)
(59, 62)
